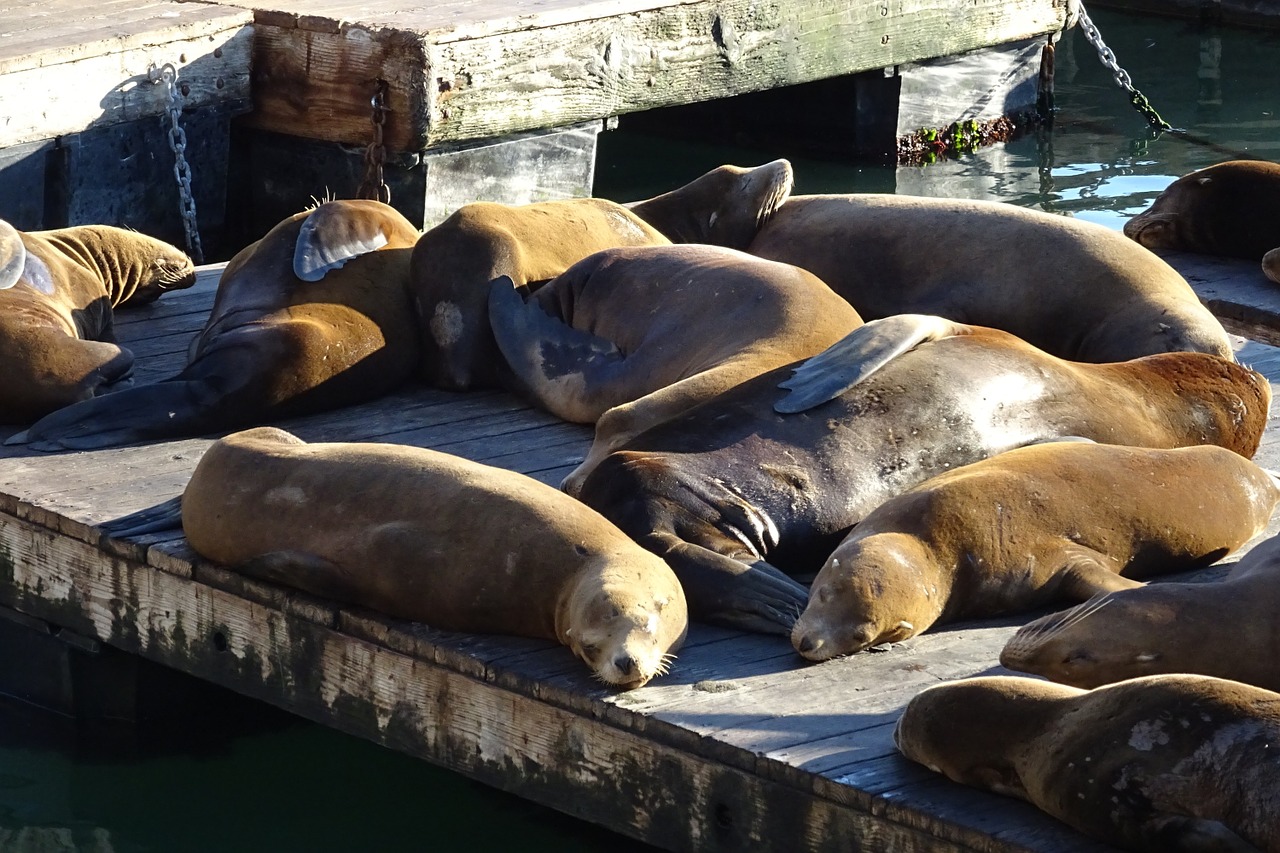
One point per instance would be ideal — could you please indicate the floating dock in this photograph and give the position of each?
(743, 746)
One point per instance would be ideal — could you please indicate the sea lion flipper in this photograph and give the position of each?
(331, 236)
(859, 354)
(1271, 265)
(124, 417)
(304, 570)
(1086, 573)
(1195, 834)
(544, 352)
(13, 255)
(166, 515)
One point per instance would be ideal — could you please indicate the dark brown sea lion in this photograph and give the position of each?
(1023, 528)
(1074, 289)
(734, 492)
(627, 338)
(1226, 629)
(455, 261)
(57, 292)
(313, 316)
(1230, 209)
(1170, 762)
(725, 207)
(422, 535)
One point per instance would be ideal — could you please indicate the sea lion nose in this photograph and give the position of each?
(808, 644)
(624, 664)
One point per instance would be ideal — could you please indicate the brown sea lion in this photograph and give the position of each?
(752, 483)
(313, 316)
(1023, 528)
(430, 537)
(1226, 629)
(627, 338)
(1230, 209)
(1170, 762)
(1075, 289)
(454, 262)
(725, 207)
(57, 292)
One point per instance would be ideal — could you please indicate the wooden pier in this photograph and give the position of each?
(743, 746)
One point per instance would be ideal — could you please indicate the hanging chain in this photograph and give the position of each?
(375, 156)
(1139, 100)
(168, 75)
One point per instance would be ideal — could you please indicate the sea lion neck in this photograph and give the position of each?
(125, 262)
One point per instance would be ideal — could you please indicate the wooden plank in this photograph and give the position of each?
(49, 66)
(494, 78)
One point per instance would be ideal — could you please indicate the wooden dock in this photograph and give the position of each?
(742, 747)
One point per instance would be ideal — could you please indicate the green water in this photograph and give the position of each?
(257, 779)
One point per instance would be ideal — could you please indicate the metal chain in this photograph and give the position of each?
(375, 156)
(1139, 100)
(168, 75)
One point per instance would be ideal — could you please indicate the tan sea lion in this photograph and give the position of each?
(430, 537)
(57, 292)
(1026, 527)
(313, 316)
(755, 483)
(1170, 762)
(1075, 289)
(1225, 629)
(629, 337)
(454, 262)
(1230, 209)
(725, 207)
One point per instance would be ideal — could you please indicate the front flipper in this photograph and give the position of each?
(567, 371)
(1192, 835)
(1086, 573)
(13, 255)
(1271, 265)
(305, 571)
(163, 516)
(724, 591)
(333, 234)
(859, 354)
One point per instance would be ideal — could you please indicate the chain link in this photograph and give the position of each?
(375, 156)
(168, 75)
(1139, 100)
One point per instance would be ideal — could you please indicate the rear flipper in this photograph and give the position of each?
(724, 591)
(859, 354)
(568, 372)
(154, 519)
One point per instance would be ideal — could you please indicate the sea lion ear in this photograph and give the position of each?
(13, 255)
(859, 354)
(331, 236)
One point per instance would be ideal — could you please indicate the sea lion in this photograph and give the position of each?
(422, 535)
(1074, 289)
(57, 292)
(1224, 628)
(734, 492)
(313, 316)
(1230, 209)
(725, 207)
(1026, 527)
(454, 262)
(629, 337)
(1170, 762)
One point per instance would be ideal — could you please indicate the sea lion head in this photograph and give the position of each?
(1110, 637)
(877, 589)
(626, 622)
(133, 267)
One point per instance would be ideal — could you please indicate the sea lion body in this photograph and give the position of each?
(732, 490)
(57, 292)
(1225, 629)
(629, 337)
(724, 207)
(1170, 762)
(276, 344)
(1075, 289)
(1032, 525)
(426, 536)
(1230, 209)
(454, 262)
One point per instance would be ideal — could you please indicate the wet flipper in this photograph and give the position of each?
(859, 354)
(331, 236)
(154, 519)
(13, 255)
